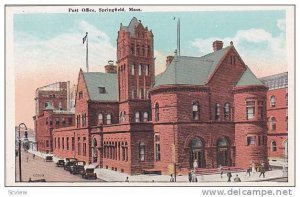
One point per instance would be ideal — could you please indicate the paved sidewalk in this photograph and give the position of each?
(113, 176)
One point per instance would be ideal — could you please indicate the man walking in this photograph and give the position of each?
(172, 178)
(262, 171)
(190, 176)
(229, 175)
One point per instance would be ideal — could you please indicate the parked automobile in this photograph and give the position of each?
(77, 167)
(49, 158)
(89, 173)
(69, 162)
(60, 163)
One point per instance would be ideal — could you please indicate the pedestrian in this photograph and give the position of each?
(127, 179)
(237, 179)
(229, 175)
(33, 156)
(194, 177)
(262, 171)
(172, 178)
(248, 171)
(195, 165)
(221, 170)
(190, 176)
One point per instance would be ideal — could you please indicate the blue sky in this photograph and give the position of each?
(48, 46)
(193, 25)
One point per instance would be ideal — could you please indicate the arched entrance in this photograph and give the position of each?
(95, 150)
(223, 152)
(197, 153)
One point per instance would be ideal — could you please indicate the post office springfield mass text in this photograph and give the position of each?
(117, 9)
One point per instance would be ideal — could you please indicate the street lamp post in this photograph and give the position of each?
(20, 166)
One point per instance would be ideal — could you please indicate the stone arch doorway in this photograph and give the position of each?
(95, 151)
(223, 152)
(197, 153)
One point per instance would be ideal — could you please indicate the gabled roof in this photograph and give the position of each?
(186, 70)
(198, 70)
(94, 80)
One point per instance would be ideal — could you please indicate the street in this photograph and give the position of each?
(37, 168)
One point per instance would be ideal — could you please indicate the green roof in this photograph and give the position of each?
(248, 78)
(94, 80)
(185, 70)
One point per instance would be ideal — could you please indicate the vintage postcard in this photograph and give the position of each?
(114, 95)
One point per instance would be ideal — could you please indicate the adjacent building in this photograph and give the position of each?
(209, 109)
(53, 110)
(277, 113)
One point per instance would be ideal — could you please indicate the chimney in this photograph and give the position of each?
(169, 60)
(217, 45)
(110, 67)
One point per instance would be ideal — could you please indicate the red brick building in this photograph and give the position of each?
(211, 109)
(52, 111)
(277, 113)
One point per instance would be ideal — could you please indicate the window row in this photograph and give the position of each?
(141, 117)
(226, 112)
(51, 104)
(115, 150)
(59, 121)
(251, 105)
(143, 50)
(106, 120)
(65, 143)
(140, 69)
(258, 140)
(81, 119)
(140, 93)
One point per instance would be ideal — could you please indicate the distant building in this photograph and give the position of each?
(210, 110)
(52, 111)
(277, 113)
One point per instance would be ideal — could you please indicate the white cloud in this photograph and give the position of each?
(261, 51)
(64, 52)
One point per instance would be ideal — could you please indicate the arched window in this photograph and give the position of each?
(156, 112)
(140, 69)
(273, 146)
(108, 119)
(217, 111)
(137, 116)
(142, 151)
(226, 111)
(223, 153)
(273, 101)
(145, 117)
(157, 147)
(100, 118)
(273, 123)
(195, 111)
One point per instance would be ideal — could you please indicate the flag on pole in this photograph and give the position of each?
(84, 38)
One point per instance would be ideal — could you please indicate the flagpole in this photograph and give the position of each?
(178, 36)
(87, 52)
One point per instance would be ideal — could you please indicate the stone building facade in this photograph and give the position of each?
(209, 109)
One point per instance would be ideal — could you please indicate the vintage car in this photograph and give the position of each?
(60, 163)
(69, 162)
(49, 158)
(89, 173)
(77, 167)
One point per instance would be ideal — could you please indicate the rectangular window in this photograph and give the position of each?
(140, 70)
(58, 143)
(250, 109)
(55, 142)
(67, 143)
(141, 93)
(157, 147)
(101, 90)
(47, 143)
(79, 147)
(261, 109)
(84, 149)
(80, 95)
(147, 70)
(133, 92)
(57, 121)
(250, 140)
(63, 143)
(73, 143)
(132, 69)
